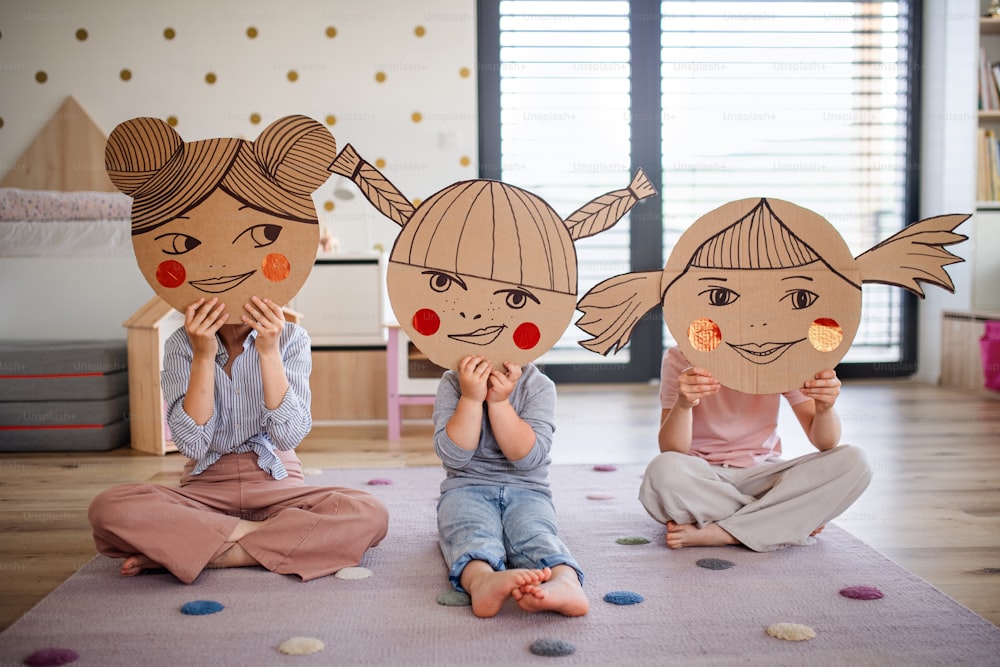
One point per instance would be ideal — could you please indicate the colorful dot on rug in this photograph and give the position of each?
(792, 632)
(862, 593)
(353, 573)
(623, 597)
(632, 540)
(605, 467)
(552, 648)
(715, 564)
(49, 657)
(454, 599)
(380, 481)
(301, 646)
(202, 607)
(601, 496)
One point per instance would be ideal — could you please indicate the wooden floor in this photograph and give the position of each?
(933, 505)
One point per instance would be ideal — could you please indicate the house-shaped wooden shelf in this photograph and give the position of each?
(148, 329)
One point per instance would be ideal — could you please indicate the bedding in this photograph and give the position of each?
(49, 223)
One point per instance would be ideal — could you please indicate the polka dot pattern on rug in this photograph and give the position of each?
(380, 481)
(632, 540)
(301, 646)
(862, 593)
(202, 607)
(715, 564)
(49, 657)
(353, 573)
(623, 597)
(552, 648)
(792, 632)
(605, 467)
(454, 599)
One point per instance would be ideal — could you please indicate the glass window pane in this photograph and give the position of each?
(565, 107)
(798, 101)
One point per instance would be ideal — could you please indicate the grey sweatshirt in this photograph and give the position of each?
(534, 400)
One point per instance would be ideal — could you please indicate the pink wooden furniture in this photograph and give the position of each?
(400, 388)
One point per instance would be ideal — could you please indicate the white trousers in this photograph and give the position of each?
(770, 506)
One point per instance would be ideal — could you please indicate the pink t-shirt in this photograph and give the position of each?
(730, 427)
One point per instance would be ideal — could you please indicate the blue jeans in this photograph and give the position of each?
(505, 526)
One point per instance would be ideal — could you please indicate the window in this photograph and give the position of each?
(812, 102)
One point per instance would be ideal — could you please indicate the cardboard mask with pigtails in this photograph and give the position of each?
(763, 293)
(225, 218)
(483, 268)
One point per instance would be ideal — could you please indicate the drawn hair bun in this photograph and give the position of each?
(296, 151)
(130, 169)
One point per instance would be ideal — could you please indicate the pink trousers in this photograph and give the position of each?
(315, 530)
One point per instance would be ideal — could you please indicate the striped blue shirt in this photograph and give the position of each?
(240, 422)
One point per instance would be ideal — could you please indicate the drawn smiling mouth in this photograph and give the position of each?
(220, 284)
(483, 336)
(763, 353)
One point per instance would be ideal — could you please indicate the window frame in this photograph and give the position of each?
(646, 251)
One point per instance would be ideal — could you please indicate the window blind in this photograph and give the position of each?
(565, 108)
(804, 101)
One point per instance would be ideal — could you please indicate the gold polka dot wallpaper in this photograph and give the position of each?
(396, 80)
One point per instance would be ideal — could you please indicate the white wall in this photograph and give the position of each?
(948, 153)
(337, 77)
(425, 49)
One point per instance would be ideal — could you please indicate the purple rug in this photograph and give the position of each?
(668, 608)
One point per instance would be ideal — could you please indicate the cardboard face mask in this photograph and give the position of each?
(224, 218)
(483, 268)
(763, 293)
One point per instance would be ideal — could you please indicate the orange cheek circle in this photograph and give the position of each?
(526, 336)
(170, 273)
(704, 334)
(426, 322)
(825, 334)
(276, 267)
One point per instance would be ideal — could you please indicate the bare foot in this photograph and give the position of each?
(136, 564)
(232, 553)
(234, 556)
(489, 589)
(560, 592)
(244, 528)
(690, 535)
(817, 531)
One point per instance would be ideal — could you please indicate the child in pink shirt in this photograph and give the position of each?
(760, 291)
(719, 479)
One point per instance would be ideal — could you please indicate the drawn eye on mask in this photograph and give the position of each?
(483, 267)
(765, 293)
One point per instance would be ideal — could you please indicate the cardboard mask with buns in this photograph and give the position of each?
(225, 218)
(764, 293)
(484, 268)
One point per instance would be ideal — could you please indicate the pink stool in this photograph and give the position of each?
(396, 399)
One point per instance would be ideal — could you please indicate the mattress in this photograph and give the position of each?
(81, 438)
(60, 414)
(44, 223)
(63, 395)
